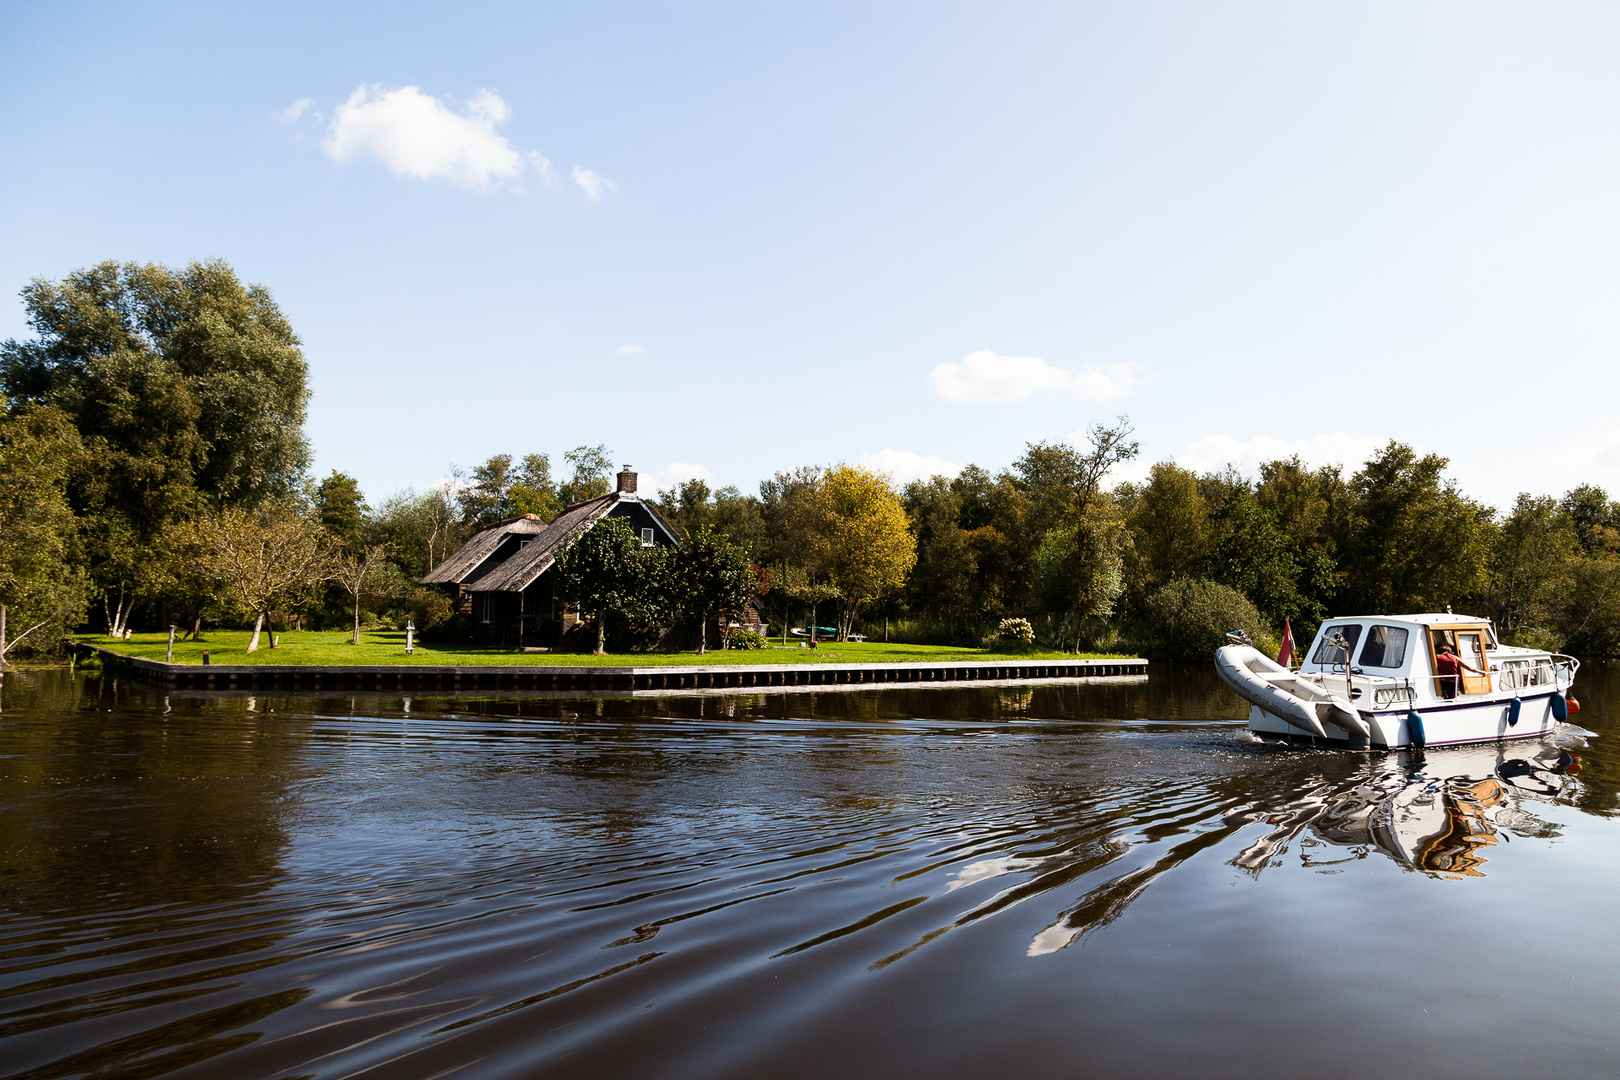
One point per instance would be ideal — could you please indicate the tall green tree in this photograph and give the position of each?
(711, 577)
(592, 474)
(341, 508)
(41, 592)
(1414, 542)
(188, 390)
(606, 571)
(859, 539)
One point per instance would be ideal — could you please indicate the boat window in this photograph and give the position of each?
(1544, 673)
(1515, 674)
(1386, 647)
(1332, 654)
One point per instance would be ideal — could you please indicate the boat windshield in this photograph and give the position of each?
(1329, 653)
(1385, 648)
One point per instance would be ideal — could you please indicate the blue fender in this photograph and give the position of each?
(1513, 713)
(1560, 708)
(1414, 728)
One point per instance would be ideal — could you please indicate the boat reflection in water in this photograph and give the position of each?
(1436, 812)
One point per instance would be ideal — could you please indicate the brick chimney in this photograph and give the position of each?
(627, 480)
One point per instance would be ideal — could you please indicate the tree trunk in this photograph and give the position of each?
(601, 634)
(2, 639)
(1062, 629)
(885, 628)
(196, 627)
(258, 625)
(703, 633)
(356, 639)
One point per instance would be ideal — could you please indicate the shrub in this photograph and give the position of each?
(1016, 630)
(1190, 619)
(744, 639)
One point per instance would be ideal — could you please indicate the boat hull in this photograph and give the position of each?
(1452, 723)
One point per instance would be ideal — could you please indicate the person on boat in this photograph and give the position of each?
(1449, 667)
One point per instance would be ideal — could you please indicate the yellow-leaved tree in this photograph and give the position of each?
(859, 539)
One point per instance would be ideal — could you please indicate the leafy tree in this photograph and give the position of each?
(711, 577)
(1190, 619)
(687, 506)
(1083, 573)
(944, 583)
(859, 540)
(1414, 542)
(358, 569)
(39, 588)
(606, 570)
(1170, 529)
(188, 391)
(341, 508)
(487, 499)
(421, 530)
(259, 561)
(532, 490)
(1594, 519)
(737, 517)
(1262, 562)
(592, 475)
(1530, 565)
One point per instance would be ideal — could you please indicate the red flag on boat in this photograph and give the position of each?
(1287, 652)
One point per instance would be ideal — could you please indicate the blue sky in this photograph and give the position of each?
(725, 239)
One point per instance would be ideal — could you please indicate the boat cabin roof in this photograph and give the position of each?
(1430, 619)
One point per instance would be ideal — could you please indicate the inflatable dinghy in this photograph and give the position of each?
(1298, 700)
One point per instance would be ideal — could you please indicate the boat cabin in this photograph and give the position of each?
(1408, 649)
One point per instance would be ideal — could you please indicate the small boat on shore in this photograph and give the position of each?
(1385, 682)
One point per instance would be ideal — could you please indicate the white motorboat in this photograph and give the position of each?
(1383, 682)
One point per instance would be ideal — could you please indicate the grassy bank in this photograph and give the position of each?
(329, 648)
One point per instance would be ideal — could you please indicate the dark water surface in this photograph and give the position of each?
(1037, 881)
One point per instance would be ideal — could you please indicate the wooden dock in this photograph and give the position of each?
(541, 678)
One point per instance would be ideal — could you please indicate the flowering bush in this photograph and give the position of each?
(1016, 630)
(745, 639)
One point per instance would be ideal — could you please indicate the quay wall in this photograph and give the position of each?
(547, 677)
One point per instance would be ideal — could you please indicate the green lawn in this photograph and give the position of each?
(328, 647)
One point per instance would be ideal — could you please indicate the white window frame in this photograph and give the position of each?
(646, 538)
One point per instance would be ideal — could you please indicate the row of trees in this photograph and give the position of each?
(152, 462)
(1144, 565)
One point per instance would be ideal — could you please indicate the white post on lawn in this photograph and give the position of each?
(168, 654)
(410, 636)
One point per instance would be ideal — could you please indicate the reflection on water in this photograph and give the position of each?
(1433, 812)
(912, 881)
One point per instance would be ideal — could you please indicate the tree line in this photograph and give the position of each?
(154, 470)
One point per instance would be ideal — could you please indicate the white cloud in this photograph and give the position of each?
(594, 185)
(292, 112)
(627, 350)
(1215, 452)
(906, 466)
(417, 135)
(984, 376)
(1600, 457)
(677, 473)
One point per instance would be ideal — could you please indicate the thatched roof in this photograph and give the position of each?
(518, 571)
(471, 556)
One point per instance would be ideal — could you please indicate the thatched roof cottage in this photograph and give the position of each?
(505, 577)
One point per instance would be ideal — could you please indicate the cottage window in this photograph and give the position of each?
(485, 605)
(646, 538)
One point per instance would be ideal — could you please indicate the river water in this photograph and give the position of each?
(1037, 881)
